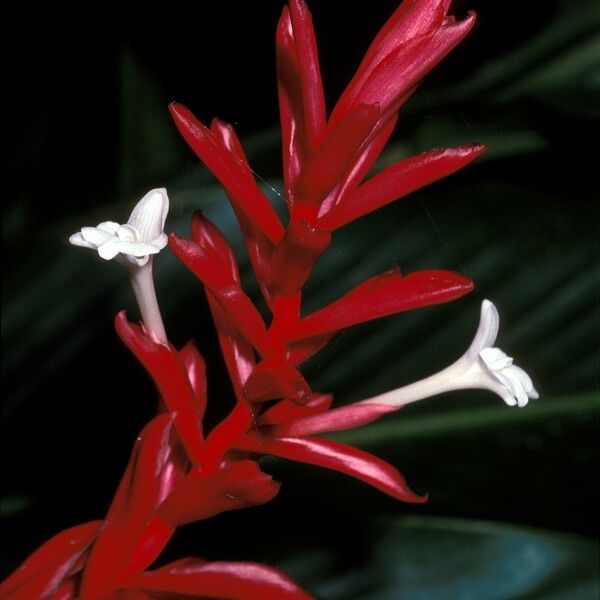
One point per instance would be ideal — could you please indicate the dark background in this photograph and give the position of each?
(88, 133)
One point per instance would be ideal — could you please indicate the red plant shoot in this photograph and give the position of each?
(179, 472)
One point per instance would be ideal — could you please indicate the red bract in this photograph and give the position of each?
(51, 567)
(195, 578)
(179, 472)
(325, 163)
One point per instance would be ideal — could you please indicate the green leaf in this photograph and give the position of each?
(434, 557)
(415, 426)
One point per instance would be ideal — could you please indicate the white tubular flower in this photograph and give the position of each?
(134, 242)
(483, 366)
(132, 245)
(486, 366)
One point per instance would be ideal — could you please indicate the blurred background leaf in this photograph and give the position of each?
(90, 134)
(431, 557)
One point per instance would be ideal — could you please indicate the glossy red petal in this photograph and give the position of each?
(412, 19)
(238, 307)
(366, 158)
(384, 295)
(396, 181)
(234, 486)
(196, 371)
(227, 580)
(401, 70)
(240, 361)
(237, 352)
(260, 251)
(338, 457)
(170, 375)
(269, 382)
(234, 175)
(313, 100)
(291, 111)
(45, 570)
(151, 475)
(337, 419)
(151, 543)
(225, 434)
(206, 264)
(336, 156)
(286, 411)
(217, 249)
(258, 245)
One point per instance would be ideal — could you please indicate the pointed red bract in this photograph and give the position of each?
(335, 157)
(237, 352)
(291, 112)
(196, 371)
(231, 172)
(384, 295)
(217, 250)
(228, 580)
(336, 419)
(43, 573)
(365, 159)
(399, 72)
(238, 307)
(313, 100)
(238, 485)
(169, 373)
(151, 475)
(415, 38)
(258, 245)
(338, 457)
(396, 181)
(269, 382)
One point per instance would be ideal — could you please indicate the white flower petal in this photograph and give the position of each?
(518, 383)
(487, 332)
(150, 214)
(77, 240)
(108, 226)
(495, 359)
(161, 241)
(95, 236)
(508, 398)
(128, 233)
(526, 382)
(137, 248)
(109, 249)
(507, 381)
